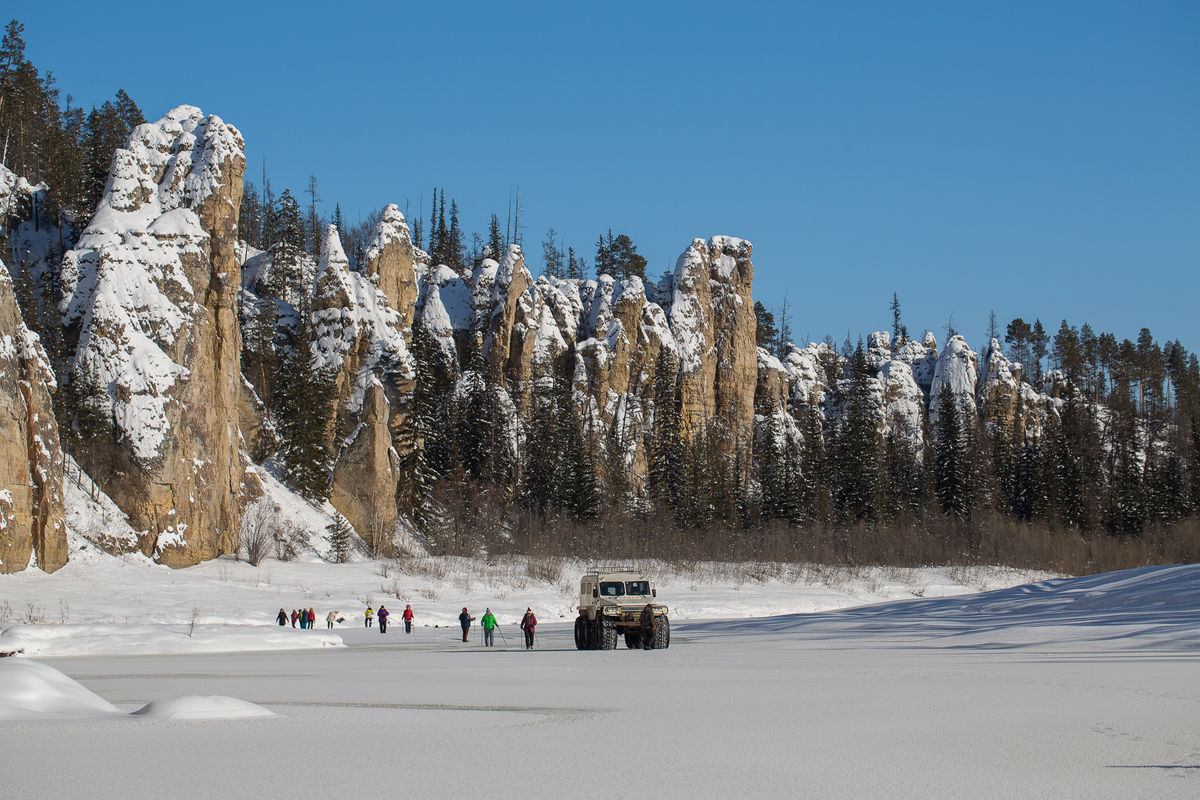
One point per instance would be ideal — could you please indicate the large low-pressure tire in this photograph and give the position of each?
(608, 635)
(633, 639)
(662, 634)
(581, 633)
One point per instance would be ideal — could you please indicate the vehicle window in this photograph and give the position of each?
(612, 588)
(637, 587)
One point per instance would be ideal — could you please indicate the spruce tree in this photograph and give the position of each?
(951, 468)
(857, 447)
(303, 411)
(495, 243)
(338, 531)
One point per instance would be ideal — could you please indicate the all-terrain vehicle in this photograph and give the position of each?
(611, 603)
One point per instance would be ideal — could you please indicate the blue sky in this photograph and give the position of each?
(1035, 159)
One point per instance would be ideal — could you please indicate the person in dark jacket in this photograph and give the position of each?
(283, 618)
(382, 614)
(464, 619)
(528, 623)
(647, 623)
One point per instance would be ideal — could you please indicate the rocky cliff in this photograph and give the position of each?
(32, 529)
(150, 308)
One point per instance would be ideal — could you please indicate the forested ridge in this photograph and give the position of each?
(562, 414)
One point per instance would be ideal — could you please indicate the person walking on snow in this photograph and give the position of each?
(312, 618)
(407, 616)
(383, 615)
(282, 617)
(647, 623)
(489, 628)
(370, 616)
(329, 620)
(464, 619)
(295, 616)
(303, 618)
(528, 623)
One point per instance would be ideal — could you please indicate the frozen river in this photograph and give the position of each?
(1082, 689)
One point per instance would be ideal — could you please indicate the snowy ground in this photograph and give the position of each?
(1068, 688)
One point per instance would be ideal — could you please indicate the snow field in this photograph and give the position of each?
(1070, 688)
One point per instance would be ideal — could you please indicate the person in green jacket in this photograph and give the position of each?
(489, 628)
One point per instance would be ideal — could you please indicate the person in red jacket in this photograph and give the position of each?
(295, 616)
(528, 623)
(407, 616)
(311, 617)
(382, 614)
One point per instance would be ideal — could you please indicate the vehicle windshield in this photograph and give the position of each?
(611, 588)
(637, 587)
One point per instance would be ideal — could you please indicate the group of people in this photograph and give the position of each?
(490, 625)
(307, 618)
(382, 615)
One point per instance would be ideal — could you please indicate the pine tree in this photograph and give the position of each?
(338, 532)
(574, 265)
(896, 323)
(766, 333)
(454, 241)
(666, 446)
(287, 253)
(951, 469)
(495, 244)
(303, 411)
(857, 448)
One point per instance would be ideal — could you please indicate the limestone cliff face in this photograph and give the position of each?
(389, 261)
(31, 461)
(362, 338)
(150, 307)
(712, 319)
(1005, 401)
(958, 370)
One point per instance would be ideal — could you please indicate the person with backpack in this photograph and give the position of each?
(528, 624)
(383, 614)
(647, 623)
(489, 628)
(282, 617)
(370, 615)
(407, 616)
(464, 619)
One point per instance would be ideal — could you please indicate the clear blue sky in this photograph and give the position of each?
(1038, 159)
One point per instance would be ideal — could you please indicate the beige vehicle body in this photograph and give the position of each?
(611, 604)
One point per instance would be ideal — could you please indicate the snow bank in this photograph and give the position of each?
(193, 707)
(29, 690)
(1149, 607)
(116, 639)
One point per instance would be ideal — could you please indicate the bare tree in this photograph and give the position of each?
(260, 530)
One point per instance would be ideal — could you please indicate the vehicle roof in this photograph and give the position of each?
(617, 575)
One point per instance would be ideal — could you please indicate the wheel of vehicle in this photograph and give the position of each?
(581, 633)
(662, 634)
(608, 636)
(633, 640)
